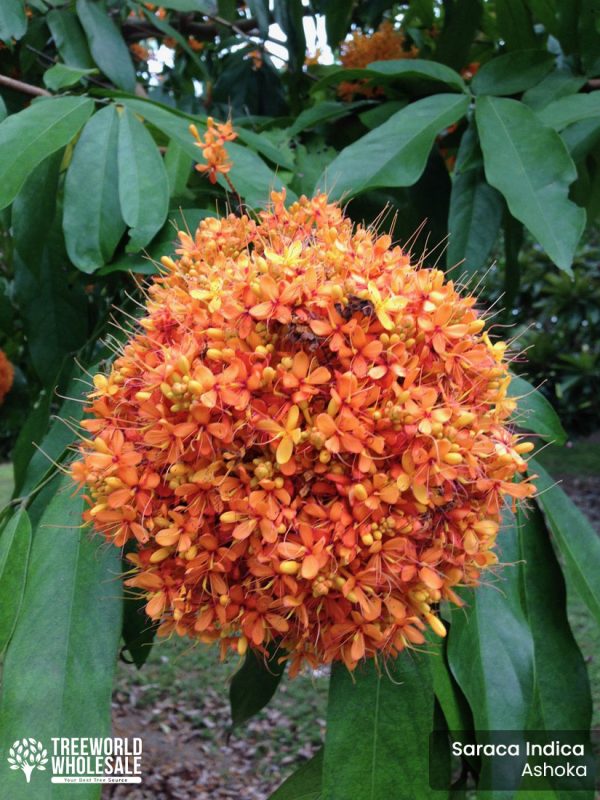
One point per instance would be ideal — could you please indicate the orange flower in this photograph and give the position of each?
(213, 149)
(385, 44)
(306, 440)
(7, 375)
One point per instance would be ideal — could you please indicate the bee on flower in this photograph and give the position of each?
(307, 440)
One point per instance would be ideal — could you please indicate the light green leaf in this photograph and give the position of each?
(567, 110)
(254, 684)
(143, 182)
(69, 38)
(92, 221)
(388, 710)
(106, 44)
(513, 72)
(13, 21)
(415, 75)
(581, 137)
(262, 145)
(304, 783)
(575, 538)
(555, 85)
(15, 543)
(529, 164)
(28, 137)
(59, 665)
(559, 667)
(395, 153)
(60, 76)
(534, 412)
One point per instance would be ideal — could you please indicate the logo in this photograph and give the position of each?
(27, 755)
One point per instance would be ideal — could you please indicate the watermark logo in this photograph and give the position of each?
(27, 755)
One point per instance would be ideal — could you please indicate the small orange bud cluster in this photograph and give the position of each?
(213, 149)
(306, 439)
(7, 375)
(386, 44)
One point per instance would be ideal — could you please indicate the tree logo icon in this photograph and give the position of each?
(27, 754)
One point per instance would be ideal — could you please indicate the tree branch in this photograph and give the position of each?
(204, 32)
(26, 88)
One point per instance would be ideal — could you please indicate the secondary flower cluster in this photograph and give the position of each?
(306, 440)
(385, 44)
(7, 375)
(213, 149)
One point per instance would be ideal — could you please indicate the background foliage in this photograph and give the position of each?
(487, 128)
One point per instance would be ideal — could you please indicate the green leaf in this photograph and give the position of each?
(490, 647)
(338, 14)
(513, 72)
(92, 221)
(567, 110)
(261, 144)
(380, 113)
(304, 783)
(554, 86)
(289, 14)
(394, 154)
(249, 173)
(378, 723)
(15, 543)
(13, 21)
(254, 684)
(473, 222)
(59, 665)
(559, 666)
(544, 11)
(575, 538)
(28, 137)
(143, 182)
(589, 36)
(138, 630)
(69, 38)
(515, 25)
(581, 137)
(106, 44)
(325, 111)
(448, 693)
(415, 75)
(178, 165)
(30, 434)
(529, 164)
(61, 76)
(534, 412)
(461, 22)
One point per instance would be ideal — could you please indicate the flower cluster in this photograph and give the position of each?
(213, 149)
(7, 375)
(306, 439)
(385, 44)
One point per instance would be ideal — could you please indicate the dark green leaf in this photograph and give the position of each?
(589, 36)
(529, 164)
(576, 539)
(559, 667)
(544, 11)
(69, 38)
(554, 86)
(143, 182)
(28, 137)
(15, 543)
(106, 44)
(92, 221)
(534, 412)
(178, 165)
(380, 113)
(138, 630)
(448, 693)
(304, 783)
(254, 684)
(515, 25)
(415, 75)
(513, 72)
(260, 10)
(325, 111)
(513, 243)
(473, 222)
(581, 138)
(461, 22)
(60, 76)
(58, 669)
(13, 21)
(289, 14)
(388, 710)
(338, 14)
(394, 154)
(30, 434)
(567, 110)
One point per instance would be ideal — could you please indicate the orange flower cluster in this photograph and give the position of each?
(212, 145)
(306, 439)
(7, 375)
(386, 44)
